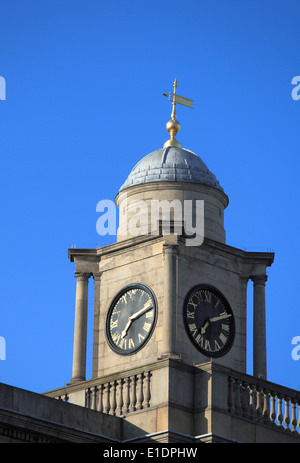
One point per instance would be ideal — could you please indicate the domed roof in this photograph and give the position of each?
(171, 164)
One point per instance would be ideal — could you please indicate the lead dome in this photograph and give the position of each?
(171, 164)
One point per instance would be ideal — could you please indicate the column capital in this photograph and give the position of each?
(259, 279)
(244, 279)
(170, 249)
(81, 276)
(97, 276)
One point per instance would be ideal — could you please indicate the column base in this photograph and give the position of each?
(77, 380)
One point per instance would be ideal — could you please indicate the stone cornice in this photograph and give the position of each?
(224, 249)
(120, 246)
(250, 257)
(161, 363)
(166, 185)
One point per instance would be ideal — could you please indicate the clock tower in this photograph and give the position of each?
(170, 313)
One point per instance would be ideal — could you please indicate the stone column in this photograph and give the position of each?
(170, 298)
(259, 327)
(96, 332)
(80, 328)
(243, 314)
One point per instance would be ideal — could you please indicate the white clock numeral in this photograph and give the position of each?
(194, 304)
(147, 327)
(123, 344)
(193, 329)
(207, 345)
(199, 339)
(217, 303)
(140, 338)
(199, 296)
(114, 324)
(208, 296)
(223, 338)
(116, 337)
(217, 346)
(190, 314)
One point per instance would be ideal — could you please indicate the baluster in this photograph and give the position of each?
(88, 398)
(272, 411)
(258, 403)
(139, 401)
(255, 403)
(244, 399)
(132, 394)
(230, 394)
(113, 402)
(236, 397)
(94, 398)
(147, 389)
(119, 397)
(251, 401)
(100, 398)
(299, 416)
(106, 404)
(266, 407)
(286, 413)
(293, 417)
(279, 410)
(126, 395)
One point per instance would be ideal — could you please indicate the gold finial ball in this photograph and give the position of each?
(173, 127)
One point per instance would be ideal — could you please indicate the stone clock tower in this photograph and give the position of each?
(169, 336)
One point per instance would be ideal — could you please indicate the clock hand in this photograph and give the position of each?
(214, 319)
(124, 332)
(203, 328)
(134, 316)
(221, 317)
(144, 309)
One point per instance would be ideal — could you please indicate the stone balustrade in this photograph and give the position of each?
(116, 396)
(203, 390)
(120, 396)
(264, 402)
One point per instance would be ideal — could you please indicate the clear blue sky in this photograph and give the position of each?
(84, 103)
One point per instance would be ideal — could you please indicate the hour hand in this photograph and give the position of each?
(203, 328)
(124, 332)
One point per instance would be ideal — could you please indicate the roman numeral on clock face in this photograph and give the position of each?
(223, 338)
(141, 337)
(114, 324)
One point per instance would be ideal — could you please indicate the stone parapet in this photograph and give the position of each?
(206, 402)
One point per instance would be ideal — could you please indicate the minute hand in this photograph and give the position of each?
(220, 317)
(141, 312)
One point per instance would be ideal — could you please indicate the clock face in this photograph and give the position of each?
(131, 319)
(209, 321)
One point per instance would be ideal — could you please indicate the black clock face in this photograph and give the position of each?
(131, 319)
(209, 321)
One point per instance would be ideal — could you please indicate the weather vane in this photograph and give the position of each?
(173, 126)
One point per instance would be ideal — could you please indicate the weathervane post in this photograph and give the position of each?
(173, 126)
(173, 115)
